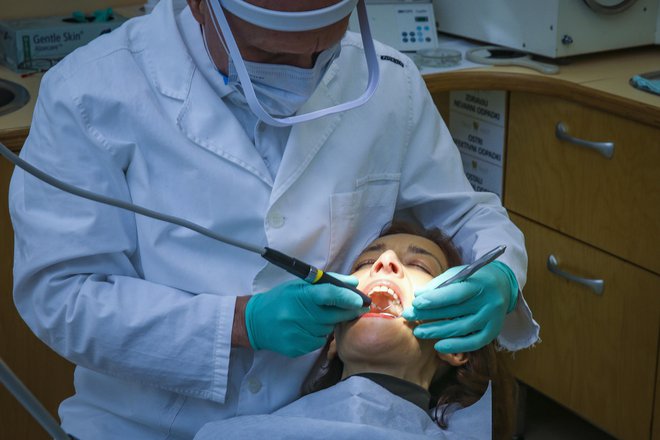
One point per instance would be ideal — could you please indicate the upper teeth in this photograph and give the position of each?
(384, 289)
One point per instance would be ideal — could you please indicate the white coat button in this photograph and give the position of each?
(254, 385)
(276, 220)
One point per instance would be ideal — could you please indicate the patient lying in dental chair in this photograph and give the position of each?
(375, 379)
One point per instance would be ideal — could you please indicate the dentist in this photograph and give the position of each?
(260, 119)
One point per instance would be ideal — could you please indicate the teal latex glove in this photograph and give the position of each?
(296, 317)
(468, 315)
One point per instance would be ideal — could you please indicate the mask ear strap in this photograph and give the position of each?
(208, 52)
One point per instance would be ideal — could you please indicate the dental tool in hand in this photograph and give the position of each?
(302, 270)
(470, 269)
(308, 272)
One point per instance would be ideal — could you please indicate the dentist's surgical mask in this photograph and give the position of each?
(281, 90)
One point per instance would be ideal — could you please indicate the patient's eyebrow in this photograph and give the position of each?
(374, 247)
(421, 251)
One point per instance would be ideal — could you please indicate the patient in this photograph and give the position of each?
(376, 379)
(404, 258)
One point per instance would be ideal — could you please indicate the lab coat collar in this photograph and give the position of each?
(169, 65)
(307, 138)
(303, 144)
(202, 116)
(206, 121)
(211, 124)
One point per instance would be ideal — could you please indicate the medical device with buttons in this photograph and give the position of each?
(407, 26)
(551, 28)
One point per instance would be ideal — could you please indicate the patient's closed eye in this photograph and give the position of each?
(362, 264)
(419, 266)
(415, 265)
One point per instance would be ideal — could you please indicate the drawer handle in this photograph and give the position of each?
(596, 285)
(604, 148)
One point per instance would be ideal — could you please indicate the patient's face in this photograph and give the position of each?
(388, 271)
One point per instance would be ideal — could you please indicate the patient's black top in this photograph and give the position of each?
(412, 392)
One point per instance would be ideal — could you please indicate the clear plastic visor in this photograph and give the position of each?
(223, 32)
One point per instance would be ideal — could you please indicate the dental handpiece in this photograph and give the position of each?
(470, 269)
(292, 265)
(308, 272)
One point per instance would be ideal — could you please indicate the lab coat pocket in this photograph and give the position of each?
(357, 217)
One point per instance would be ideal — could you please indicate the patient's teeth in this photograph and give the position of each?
(387, 290)
(390, 299)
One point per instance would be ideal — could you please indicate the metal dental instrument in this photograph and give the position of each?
(302, 270)
(469, 270)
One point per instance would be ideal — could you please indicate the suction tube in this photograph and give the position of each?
(292, 265)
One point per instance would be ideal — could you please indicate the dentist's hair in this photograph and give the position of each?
(463, 385)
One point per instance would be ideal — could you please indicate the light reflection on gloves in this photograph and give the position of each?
(295, 318)
(468, 315)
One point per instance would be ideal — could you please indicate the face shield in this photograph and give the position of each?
(292, 22)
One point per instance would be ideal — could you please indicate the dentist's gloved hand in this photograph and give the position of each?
(295, 318)
(468, 315)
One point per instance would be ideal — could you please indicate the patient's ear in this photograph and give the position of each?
(454, 359)
(332, 349)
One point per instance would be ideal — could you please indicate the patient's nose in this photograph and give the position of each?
(388, 263)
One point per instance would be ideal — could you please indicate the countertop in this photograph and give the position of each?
(600, 80)
(15, 126)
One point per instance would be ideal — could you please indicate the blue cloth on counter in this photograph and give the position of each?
(648, 85)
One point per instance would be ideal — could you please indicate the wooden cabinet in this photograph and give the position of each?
(613, 204)
(600, 219)
(598, 352)
(655, 433)
(48, 376)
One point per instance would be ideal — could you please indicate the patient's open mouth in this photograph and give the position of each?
(385, 300)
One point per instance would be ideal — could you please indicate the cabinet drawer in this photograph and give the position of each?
(598, 352)
(613, 204)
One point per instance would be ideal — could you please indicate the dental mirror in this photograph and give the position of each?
(501, 56)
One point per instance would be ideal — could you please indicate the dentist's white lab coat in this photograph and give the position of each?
(145, 308)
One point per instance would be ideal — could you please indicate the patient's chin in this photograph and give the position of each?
(377, 335)
(369, 347)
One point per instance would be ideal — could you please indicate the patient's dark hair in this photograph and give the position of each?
(463, 385)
